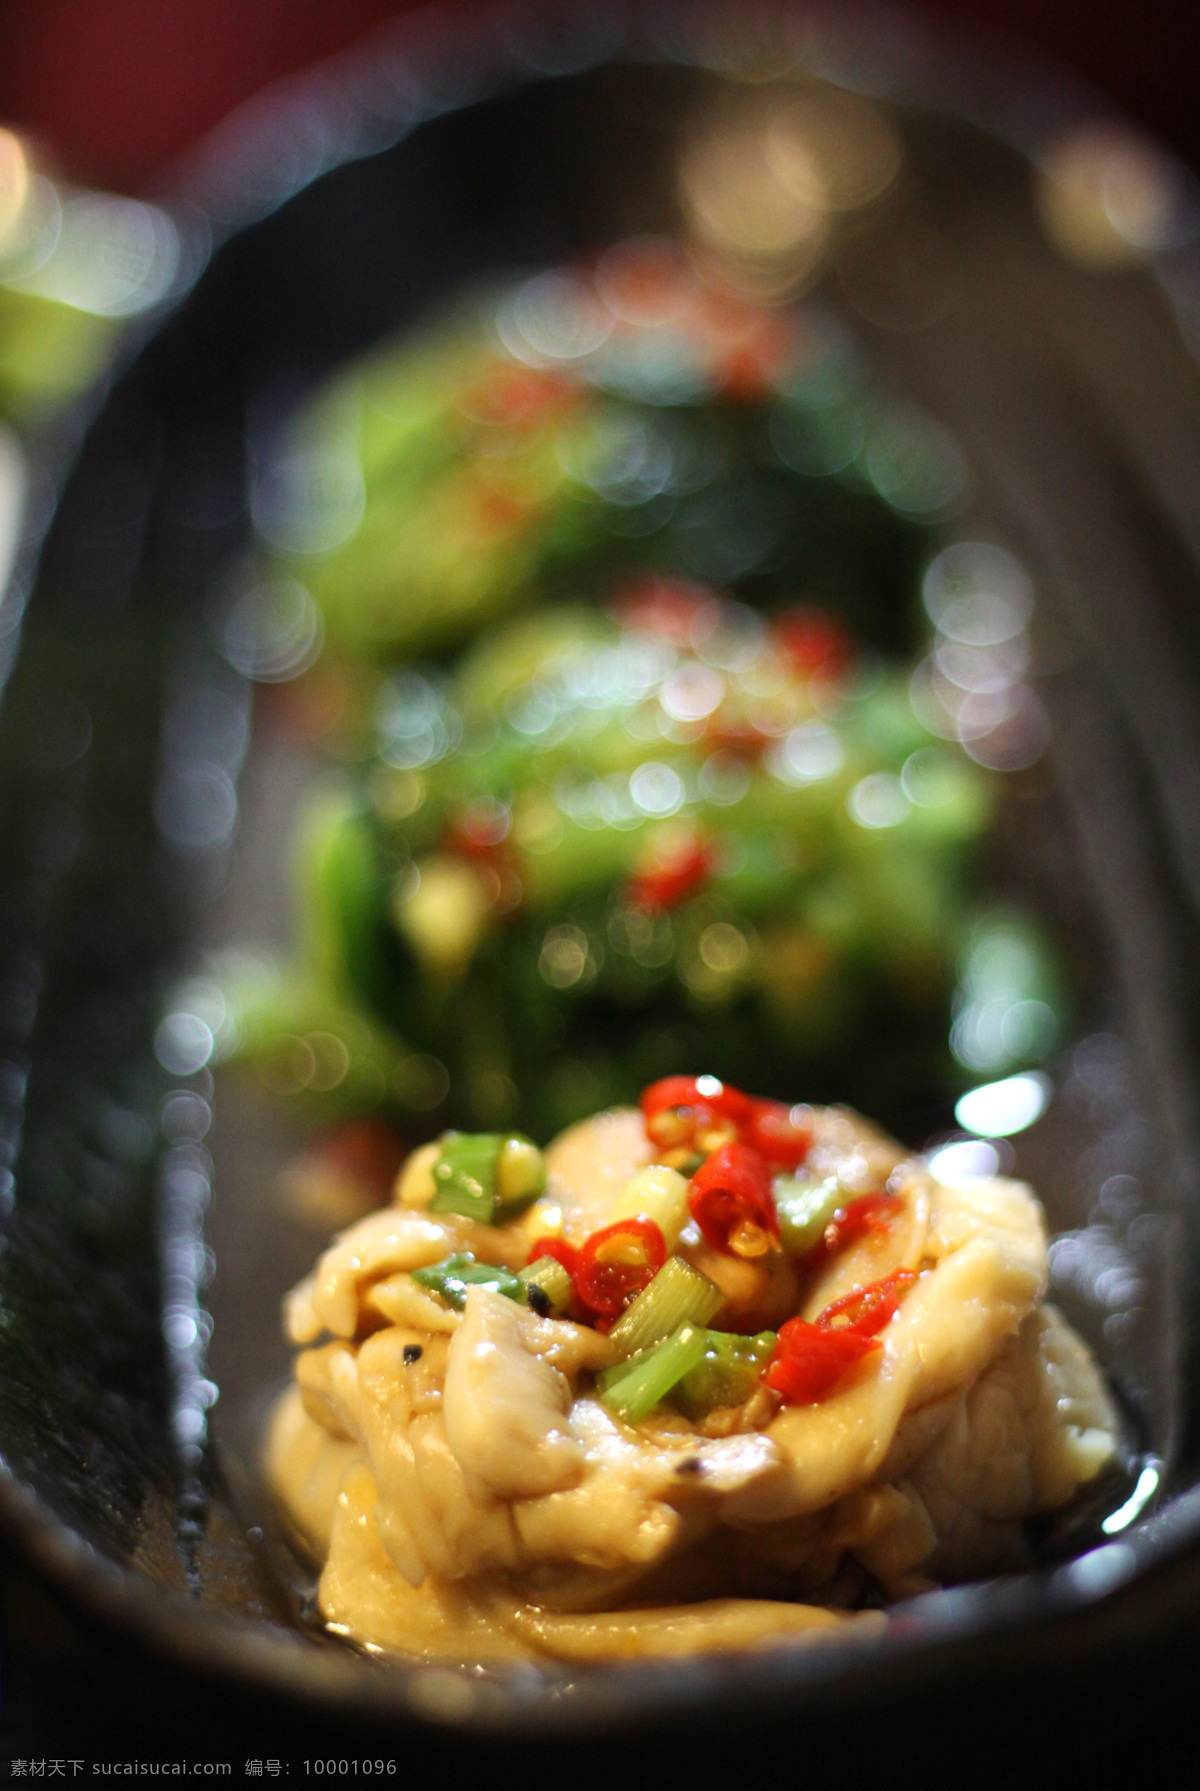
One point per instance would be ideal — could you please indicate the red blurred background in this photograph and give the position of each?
(118, 88)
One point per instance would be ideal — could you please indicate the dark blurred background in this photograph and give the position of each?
(117, 89)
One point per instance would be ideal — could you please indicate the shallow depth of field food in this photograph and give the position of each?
(709, 1374)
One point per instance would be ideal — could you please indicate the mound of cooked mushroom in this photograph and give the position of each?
(703, 1375)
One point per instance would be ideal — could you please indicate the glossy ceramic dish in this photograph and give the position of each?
(144, 1252)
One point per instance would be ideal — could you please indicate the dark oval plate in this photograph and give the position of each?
(143, 1256)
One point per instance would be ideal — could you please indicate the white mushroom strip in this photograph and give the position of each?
(716, 1625)
(950, 1326)
(627, 1508)
(401, 1301)
(1019, 1440)
(848, 1146)
(308, 1464)
(415, 1186)
(887, 1530)
(327, 1380)
(481, 1496)
(505, 1407)
(569, 1347)
(588, 1166)
(364, 1594)
(379, 1246)
(429, 1518)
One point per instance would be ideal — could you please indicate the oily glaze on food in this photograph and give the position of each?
(475, 1484)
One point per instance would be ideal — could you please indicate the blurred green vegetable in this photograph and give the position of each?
(546, 441)
(694, 808)
(74, 265)
(652, 854)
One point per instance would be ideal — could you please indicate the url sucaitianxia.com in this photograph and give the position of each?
(74, 1768)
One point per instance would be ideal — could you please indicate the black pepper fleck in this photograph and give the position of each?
(691, 1465)
(412, 1353)
(539, 1300)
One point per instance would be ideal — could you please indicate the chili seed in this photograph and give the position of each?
(539, 1300)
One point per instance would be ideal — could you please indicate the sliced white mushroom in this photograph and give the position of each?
(378, 1245)
(505, 1407)
(481, 1499)
(989, 1270)
(383, 1244)
(589, 1165)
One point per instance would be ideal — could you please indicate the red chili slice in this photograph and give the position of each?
(703, 1113)
(870, 1212)
(731, 1201)
(672, 1091)
(808, 1361)
(560, 1250)
(616, 1262)
(783, 1134)
(867, 1309)
(697, 1111)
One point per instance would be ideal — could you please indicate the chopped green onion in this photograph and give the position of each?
(634, 1388)
(520, 1173)
(464, 1176)
(552, 1281)
(487, 1176)
(656, 1193)
(805, 1208)
(727, 1374)
(678, 1294)
(450, 1279)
